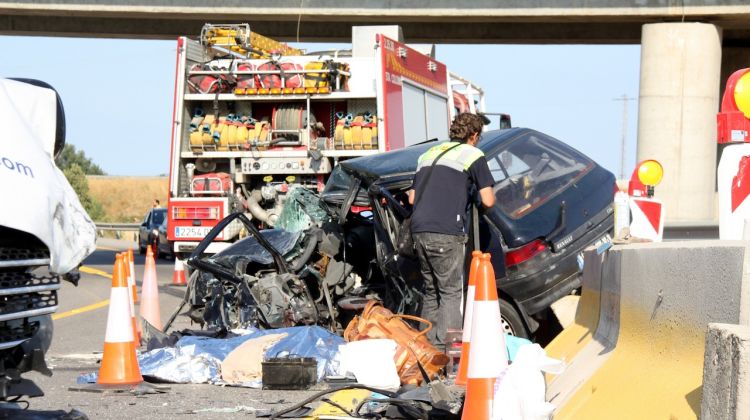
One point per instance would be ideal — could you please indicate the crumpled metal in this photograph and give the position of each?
(198, 359)
(250, 250)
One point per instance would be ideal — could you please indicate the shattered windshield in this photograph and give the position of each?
(302, 210)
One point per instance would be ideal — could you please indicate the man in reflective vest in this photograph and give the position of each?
(438, 222)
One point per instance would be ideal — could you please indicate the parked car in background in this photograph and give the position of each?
(148, 233)
(162, 246)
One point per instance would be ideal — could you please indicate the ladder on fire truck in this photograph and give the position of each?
(239, 41)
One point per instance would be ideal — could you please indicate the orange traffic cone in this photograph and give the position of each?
(150, 294)
(131, 276)
(131, 267)
(178, 278)
(463, 364)
(119, 362)
(487, 356)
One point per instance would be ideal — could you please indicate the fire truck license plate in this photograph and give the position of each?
(191, 231)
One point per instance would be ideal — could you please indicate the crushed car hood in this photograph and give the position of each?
(36, 196)
(249, 249)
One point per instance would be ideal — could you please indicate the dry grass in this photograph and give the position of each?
(126, 199)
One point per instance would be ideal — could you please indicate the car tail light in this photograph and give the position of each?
(182, 213)
(525, 252)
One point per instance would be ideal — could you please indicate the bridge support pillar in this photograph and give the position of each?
(679, 98)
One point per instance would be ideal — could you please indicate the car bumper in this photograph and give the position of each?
(543, 281)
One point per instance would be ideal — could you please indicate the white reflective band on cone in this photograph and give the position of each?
(178, 265)
(487, 355)
(466, 335)
(119, 323)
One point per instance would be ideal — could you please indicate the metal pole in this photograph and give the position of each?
(623, 141)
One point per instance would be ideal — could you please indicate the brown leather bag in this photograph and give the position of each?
(378, 322)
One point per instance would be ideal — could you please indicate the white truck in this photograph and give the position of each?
(254, 117)
(44, 231)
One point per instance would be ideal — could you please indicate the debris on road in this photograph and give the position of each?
(371, 362)
(414, 353)
(237, 409)
(244, 364)
(293, 373)
(520, 392)
(198, 359)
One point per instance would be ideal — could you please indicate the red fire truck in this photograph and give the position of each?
(253, 117)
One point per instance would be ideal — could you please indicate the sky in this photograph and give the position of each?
(118, 94)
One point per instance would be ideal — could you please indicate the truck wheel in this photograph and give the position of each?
(511, 320)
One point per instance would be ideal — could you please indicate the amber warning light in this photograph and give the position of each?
(646, 176)
(733, 122)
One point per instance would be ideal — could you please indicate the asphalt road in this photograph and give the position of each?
(80, 325)
(78, 342)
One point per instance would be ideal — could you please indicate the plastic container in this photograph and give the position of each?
(289, 373)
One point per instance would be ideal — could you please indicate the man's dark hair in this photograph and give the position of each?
(466, 125)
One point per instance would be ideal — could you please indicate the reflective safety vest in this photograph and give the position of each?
(459, 158)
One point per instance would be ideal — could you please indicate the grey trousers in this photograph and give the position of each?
(441, 261)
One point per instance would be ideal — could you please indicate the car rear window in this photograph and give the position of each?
(530, 170)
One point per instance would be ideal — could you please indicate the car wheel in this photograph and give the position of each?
(510, 320)
(141, 248)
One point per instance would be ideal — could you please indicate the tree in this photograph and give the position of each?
(69, 157)
(77, 179)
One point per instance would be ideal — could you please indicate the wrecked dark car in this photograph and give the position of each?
(336, 250)
(316, 267)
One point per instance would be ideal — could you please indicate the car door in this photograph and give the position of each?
(402, 276)
(144, 229)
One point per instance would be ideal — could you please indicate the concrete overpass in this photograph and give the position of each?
(438, 21)
(689, 47)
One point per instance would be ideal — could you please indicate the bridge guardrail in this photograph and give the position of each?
(120, 230)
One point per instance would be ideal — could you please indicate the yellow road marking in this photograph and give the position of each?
(95, 271)
(77, 311)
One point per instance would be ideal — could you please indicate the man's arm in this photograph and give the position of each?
(487, 196)
(480, 174)
(411, 197)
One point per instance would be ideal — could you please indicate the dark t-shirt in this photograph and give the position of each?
(441, 204)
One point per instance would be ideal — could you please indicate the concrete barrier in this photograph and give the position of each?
(645, 359)
(588, 343)
(726, 373)
(570, 341)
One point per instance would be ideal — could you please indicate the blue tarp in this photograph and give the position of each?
(198, 359)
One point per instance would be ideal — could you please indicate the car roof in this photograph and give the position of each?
(404, 161)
